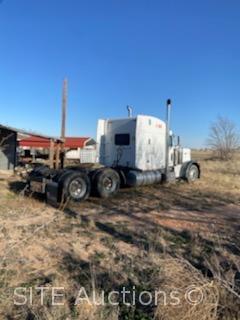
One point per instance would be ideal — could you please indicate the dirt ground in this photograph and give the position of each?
(117, 242)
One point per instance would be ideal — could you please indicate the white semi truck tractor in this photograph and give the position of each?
(132, 152)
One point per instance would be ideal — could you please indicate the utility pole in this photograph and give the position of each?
(64, 108)
(64, 114)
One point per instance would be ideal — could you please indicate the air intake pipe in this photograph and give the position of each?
(130, 111)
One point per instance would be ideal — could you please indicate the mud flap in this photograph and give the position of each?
(52, 194)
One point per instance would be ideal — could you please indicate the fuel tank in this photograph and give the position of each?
(138, 178)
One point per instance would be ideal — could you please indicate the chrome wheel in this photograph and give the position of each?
(77, 188)
(193, 173)
(108, 183)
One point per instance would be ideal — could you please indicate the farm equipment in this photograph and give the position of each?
(133, 151)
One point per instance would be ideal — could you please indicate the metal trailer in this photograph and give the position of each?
(133, 151)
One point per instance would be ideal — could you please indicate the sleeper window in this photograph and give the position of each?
(122, 139)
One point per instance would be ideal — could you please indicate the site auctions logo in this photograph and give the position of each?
(129, 297)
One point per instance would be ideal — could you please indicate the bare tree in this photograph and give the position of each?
(223, 138)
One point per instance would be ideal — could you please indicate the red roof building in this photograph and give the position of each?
(70, 142)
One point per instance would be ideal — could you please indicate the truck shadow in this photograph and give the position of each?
(137, 216)
(152, 221)
(18, 187)
(166, 202)
(162, 206)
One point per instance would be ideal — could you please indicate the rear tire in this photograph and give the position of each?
(107, 183)
(192, 173)
(76, 187)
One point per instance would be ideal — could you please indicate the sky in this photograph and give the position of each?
(117, 53)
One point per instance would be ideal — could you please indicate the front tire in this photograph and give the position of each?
(192, 173)
(107, 183)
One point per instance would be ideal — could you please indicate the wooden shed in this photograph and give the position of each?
(8, 147)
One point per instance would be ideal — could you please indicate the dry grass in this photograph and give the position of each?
(135, 239)
(201, 297)
(178, 273)
(220, 177)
